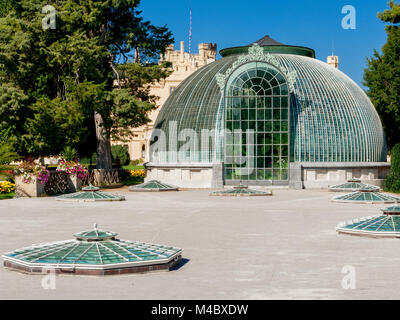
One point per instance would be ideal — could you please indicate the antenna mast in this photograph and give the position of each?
(190, 31)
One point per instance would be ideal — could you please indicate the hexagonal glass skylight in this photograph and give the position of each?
(153, 186)
(90, 194)
(93, 252)
(241, 191)
(353, 186)
(364, 196)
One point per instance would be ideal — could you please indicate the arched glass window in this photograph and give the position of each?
(257, 124)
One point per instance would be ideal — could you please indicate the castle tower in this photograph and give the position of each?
(333, 61)
(183, 65)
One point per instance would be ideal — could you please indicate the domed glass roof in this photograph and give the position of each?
(94, 252)
(331, 118)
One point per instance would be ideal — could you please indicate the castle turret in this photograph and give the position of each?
(333, 61)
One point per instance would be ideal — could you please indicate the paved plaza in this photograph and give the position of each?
(279, 247)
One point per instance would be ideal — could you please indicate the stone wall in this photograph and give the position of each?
(193, 176)
(325, 175)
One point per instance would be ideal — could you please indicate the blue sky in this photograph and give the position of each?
(310, 23)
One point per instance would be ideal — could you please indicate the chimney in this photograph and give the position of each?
(182, 53)
(333, 61)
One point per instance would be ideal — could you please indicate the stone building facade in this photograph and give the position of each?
(183, 65)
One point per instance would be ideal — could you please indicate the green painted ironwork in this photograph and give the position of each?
(153, 185)
(257, 123)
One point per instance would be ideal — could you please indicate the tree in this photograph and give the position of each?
(5, 7)
(7, 153)
(65, 77)
(392, 182)
(382, 76)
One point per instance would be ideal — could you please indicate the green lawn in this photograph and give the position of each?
(5, 196)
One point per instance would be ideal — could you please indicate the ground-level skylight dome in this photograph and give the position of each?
(287, 108)
(90, 194)
(241, 191)
(385, 226)
(367, 196)
(353, 185)
(153, 186)
(93, 252)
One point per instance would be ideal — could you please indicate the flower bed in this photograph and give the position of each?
(73, 168)
(135, 177)
(138, 173)
(76, 173)
(31, 172)
(30, 179)
(6, 187)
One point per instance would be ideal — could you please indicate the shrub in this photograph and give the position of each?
(121, 153)
(69, 154)
(89, 160)
(136, 162)
(392, 182)
(7, 153)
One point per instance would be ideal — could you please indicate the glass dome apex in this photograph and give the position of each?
(270, 46)
(95, 235)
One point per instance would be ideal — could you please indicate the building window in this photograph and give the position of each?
(171, 89)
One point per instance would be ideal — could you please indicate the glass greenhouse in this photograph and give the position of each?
(267, 114)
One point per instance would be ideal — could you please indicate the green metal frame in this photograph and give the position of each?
(252, 95)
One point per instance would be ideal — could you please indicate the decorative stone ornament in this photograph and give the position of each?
(256, 53)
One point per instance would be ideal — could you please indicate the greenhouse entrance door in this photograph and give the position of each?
(257, 126)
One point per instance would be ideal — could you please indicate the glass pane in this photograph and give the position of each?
(260, 114)
(245, 114)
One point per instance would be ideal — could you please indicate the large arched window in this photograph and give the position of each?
(257, 124)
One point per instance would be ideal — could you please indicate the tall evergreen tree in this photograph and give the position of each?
(57, 85)
(382, 76)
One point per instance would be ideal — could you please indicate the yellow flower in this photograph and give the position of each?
(6, 187)
(138, 173)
